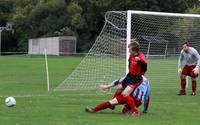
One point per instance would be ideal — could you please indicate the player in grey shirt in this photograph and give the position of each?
(191, 68)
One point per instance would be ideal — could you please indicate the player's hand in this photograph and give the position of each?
(196, 70)
(137, 59)
(104, 86)
(179, 71)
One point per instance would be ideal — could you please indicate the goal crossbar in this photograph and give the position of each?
(162, 13)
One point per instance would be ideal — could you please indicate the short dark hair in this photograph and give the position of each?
(135, 45)
(186, 42)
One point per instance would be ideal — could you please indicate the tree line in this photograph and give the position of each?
(82, 18)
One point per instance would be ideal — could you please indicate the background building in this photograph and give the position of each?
(64, 45)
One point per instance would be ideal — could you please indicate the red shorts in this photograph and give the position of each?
(188, 70)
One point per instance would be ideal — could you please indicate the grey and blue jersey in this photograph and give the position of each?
(142, 92)
(192, 57)
(117, 81)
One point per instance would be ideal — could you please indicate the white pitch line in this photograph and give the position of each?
(58, 95)
(98, 100)
(175, 103)
(22, 96)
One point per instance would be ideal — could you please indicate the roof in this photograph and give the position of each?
(154, 39)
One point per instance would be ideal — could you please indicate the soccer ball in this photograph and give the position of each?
(10, 101)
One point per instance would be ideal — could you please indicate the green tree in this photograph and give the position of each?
(5, 9)
(82, 18)
(39, 19)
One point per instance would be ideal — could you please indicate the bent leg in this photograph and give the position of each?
(128, 98)
(183, 82)
(183, 85)
(107, 104)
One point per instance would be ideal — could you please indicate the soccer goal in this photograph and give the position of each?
(160, 35)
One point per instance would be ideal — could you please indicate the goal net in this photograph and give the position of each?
(160, 35)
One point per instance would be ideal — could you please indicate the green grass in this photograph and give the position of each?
(24, 78)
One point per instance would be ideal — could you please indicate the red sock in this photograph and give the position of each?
(183, 84)
(194, 85)
(102, 106)
(117, 93)
(131, 103)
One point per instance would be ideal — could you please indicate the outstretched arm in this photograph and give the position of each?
(105, 86)
(114, 83)
(196, 69)
(180, 62)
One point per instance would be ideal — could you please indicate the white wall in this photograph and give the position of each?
(37, 46)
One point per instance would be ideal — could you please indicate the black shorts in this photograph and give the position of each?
(131, 79)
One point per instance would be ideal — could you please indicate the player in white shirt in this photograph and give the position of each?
(191, 68)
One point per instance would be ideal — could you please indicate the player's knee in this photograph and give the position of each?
(128, 90)
(113, 101)
(183, 76)
(125, 93)
(193, 76)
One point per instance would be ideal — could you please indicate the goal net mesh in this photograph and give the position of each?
(160, 36)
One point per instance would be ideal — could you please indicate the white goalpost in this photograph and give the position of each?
(47, 69)
(160, 35)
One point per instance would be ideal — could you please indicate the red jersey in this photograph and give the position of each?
(135, 67)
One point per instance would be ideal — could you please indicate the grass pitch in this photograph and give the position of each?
(24, 78)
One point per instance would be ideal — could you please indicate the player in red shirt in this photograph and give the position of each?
(139, 95)
(137, 68)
